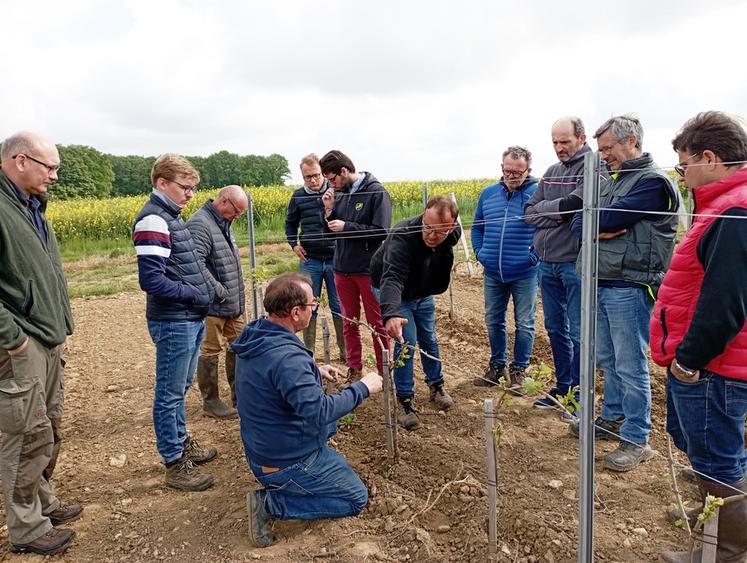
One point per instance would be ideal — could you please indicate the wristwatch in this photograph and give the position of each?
(678, 369)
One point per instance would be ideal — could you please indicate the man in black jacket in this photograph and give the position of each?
(216, 247)
(357, 216)
(412, 266)
(314, 250)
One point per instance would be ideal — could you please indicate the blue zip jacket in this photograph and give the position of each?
(501, 239)
(284, 412)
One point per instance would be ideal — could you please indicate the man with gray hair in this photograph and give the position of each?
(502, 241)
(637, 227)
(35, 320)
(215, 245)
(550, 210)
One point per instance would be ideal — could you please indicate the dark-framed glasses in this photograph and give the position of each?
(682, 166)
(186, 189)
(312, 177)
(314, 306)
(513, 173)
(51, 168)
(433, 231)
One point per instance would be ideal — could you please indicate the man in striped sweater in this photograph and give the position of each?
(178, 296)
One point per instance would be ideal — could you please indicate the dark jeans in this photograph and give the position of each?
(320, 269)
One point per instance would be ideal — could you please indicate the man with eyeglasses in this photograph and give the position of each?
(637, 227)
(502, 242)
(358, 213)
(178, 296)
(315, 251)
(35, 320)
(286, 418)
(215, 243)
(698, 328)
(412, 266)
(550, 210)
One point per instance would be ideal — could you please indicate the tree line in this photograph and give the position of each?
(87, 172)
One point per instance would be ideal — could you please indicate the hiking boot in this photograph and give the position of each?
(546, 402)
(491, 377)
(603, 429)
(196, 453)
(184, 477)
(207, 380)
(439, 396)
(54, 541)
(516, 376)
(65, 513)
(259, 518)
(353, 375)
(409, 419)
(627, 456)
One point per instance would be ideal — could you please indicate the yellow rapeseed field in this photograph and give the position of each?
(101, 219)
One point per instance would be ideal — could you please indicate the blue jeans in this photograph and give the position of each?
(706, 421)
(420, 328)
(177, 348)
(320, 269)
(321, 486)
(623, 315)
(524, 294)
(561, 302)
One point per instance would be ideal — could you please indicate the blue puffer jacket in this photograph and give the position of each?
(501, 240)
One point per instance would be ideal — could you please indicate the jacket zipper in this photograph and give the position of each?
(664, 331)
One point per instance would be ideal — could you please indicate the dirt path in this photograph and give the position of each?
(131, 516)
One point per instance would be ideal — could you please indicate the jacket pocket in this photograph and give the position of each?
(28, 300)
(15, 400)
(534, 257)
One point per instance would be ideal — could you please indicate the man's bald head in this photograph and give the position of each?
(231, 202)
(30, 161)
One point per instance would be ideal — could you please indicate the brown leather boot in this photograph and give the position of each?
(207, 379)
(54, 541)
(732, 523)
(65, 513)
(231, 374)
(340, 339)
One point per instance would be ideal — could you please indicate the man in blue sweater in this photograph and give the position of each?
(635, 247)
(286, 418)
(502, 241)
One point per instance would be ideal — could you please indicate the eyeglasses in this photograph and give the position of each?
(312, 177)
(431, 230)
(332, 179)
(607, 148)
(314, 306)
(236, 209)
(682, 166)
(50, 168)
(513, 173)
(187, 189)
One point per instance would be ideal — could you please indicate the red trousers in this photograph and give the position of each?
(352, 290)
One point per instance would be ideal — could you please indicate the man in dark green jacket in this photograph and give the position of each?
(35, 320)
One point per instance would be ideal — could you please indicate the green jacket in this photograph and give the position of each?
(33, 290)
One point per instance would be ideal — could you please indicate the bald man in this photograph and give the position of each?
(216, 247)
(35, 320)
(550, 209)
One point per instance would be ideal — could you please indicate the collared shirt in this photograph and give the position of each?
(357, 184)
(32, 204)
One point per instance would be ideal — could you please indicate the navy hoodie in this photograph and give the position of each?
(283, 409)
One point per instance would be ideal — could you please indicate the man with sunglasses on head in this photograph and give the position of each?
(637, 227)
(178, 295)
(357, 213)
(502, 242)
(286, 418)
(412, 266)
(698, 327)
(315, 251)
(35, 321)
(210, 227)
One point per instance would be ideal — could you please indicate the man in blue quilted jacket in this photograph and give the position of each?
(502, 242)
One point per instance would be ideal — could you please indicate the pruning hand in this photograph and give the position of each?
(394, 328)
(329, 373)
(328, 199)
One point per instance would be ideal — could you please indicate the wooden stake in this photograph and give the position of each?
(391, 433)
(492, 473)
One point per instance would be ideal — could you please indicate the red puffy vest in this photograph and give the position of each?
(678, 295)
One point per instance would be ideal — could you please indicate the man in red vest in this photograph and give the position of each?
(698, 327)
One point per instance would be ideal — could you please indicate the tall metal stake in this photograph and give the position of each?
(425, 196)
(252, 255)
(492, 470)
(470, 267)
(328, 387)
(391, 439)
(589, 253)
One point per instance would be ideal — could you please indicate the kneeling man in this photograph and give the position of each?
(286, 418)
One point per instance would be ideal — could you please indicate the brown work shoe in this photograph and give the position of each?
(516, 376)
(259, 519)
(409, 419)
(65, 513)
(54, 541)
(196, 453)
(440, 397)
(184, 477)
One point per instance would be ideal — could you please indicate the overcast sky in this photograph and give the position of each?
(409, 90)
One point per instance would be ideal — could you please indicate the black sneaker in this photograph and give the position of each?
(259, 519)
(491, 377)
(409, 419)
(603, 429)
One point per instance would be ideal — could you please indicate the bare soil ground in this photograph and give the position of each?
(431, 506)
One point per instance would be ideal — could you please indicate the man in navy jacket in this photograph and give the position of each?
(502, 242)
(286, 418)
